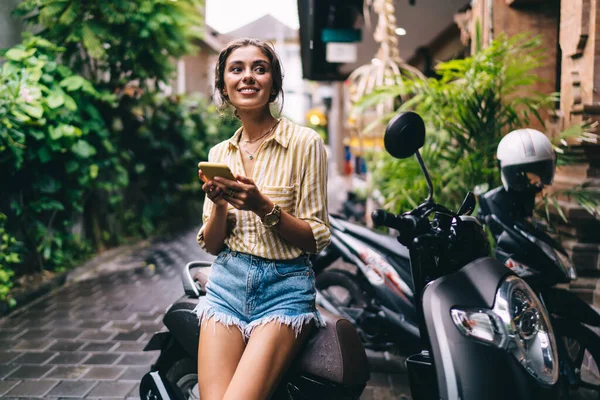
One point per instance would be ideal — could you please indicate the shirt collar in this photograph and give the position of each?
(281, 135)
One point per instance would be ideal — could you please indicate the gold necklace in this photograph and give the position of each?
(251, 155)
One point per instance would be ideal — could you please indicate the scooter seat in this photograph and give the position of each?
(334, 352)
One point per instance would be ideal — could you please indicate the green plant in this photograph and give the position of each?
(176, 133)
(128, 48)
(467, 110)
(119, 41)
(55, 149)
(9, 258)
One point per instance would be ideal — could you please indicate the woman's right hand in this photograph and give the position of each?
(214, 193)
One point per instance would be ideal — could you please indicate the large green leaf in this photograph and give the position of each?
(72, 83)
(55, 99)
(16, 54)
(33, 110)
(83, 149)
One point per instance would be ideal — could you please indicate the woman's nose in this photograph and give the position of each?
(248, 77)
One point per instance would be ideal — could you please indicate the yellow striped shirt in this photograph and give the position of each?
(291, 170)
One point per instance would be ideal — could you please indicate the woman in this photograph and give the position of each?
(262, 227)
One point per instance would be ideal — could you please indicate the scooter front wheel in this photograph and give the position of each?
(581, 368)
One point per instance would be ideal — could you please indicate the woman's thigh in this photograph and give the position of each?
(268, 354)
(219, 351)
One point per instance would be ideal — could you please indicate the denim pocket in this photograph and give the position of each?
(284, 270)
(222, 257)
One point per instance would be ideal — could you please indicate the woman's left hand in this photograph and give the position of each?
(244, 195)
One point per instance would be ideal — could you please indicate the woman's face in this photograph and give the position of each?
(248, 78)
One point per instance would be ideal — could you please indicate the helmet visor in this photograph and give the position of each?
(528, 176)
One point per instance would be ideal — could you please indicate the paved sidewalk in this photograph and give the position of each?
(85, 340)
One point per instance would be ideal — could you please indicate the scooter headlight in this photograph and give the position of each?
(519, 324)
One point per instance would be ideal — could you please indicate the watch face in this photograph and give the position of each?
(271, 220)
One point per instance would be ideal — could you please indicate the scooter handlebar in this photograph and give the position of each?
(404, 224)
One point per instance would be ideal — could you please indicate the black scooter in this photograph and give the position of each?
(485, 333)
(370, 284)
(377, 293)
(331, 365)
(524, 246)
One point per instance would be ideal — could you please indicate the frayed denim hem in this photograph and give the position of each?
(205, 312)
(296, 322)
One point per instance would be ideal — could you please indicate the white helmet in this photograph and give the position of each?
(526, 159)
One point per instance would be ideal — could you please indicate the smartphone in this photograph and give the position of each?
(210, 170)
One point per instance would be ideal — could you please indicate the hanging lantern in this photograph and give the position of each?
(387, 68)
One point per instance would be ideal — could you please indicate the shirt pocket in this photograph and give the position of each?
(284, 196)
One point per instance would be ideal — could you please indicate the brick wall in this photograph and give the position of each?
(570, 34)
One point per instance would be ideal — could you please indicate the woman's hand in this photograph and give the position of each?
(213, 191)
(244, 195)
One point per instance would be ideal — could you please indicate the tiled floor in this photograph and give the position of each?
(85, 340)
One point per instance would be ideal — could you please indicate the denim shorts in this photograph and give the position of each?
(246, 291)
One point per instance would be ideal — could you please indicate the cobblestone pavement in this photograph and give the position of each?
(85, 340)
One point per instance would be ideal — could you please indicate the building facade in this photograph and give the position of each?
(570, 33)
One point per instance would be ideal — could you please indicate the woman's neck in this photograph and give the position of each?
(255, 124)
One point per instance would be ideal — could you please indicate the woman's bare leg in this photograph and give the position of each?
(269, 352)
(219, 352)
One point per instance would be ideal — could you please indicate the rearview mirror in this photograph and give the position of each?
(404, 135)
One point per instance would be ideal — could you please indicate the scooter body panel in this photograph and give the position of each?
(507, 219)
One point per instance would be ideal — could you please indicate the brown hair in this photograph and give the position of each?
(276, 69)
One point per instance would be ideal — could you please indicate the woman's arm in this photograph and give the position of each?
(292, 229)
(215, 229)
(309, 230)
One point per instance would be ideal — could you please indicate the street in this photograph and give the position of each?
(85, 340)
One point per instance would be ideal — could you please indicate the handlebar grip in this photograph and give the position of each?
(405, 225)
(381, 217)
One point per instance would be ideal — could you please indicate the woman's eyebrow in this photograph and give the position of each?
(255, 62)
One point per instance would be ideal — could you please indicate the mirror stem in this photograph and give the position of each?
(429, 198)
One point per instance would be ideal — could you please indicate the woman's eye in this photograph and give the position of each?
(236, 69)
(260, 70)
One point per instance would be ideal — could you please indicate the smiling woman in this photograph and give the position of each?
(262, 225)
(266, 68)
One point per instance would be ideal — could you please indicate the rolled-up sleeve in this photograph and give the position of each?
(312, 196)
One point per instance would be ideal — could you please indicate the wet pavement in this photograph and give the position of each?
(85, 339)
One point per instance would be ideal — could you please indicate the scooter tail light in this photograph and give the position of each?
(481, 325)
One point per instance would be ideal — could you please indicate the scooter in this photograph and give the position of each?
(373, 289)
(376, 294)
(331, 365)
(485, 334)
(524, 246)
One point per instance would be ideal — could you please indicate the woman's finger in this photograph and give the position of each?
(237, 203)
(244, 179)
(227, 184)
(202, 177)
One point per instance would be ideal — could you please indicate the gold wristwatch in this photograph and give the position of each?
(271, 219)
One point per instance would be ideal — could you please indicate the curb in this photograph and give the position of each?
(116, 259)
